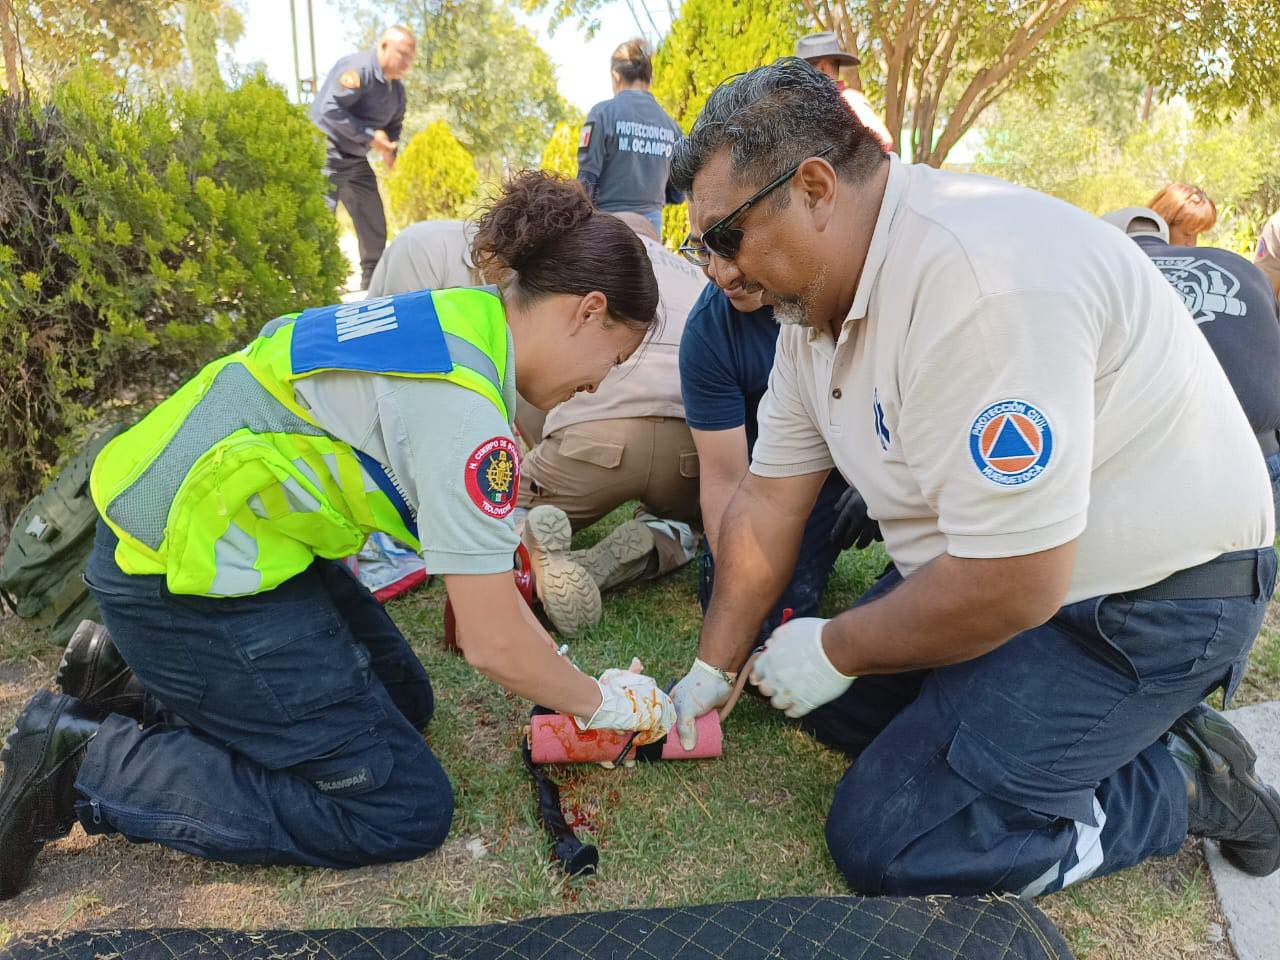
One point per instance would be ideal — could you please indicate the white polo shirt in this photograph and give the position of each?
(1014, 374)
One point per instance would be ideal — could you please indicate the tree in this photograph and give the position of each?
(201, 34)
(8, 45)
(48, 37)
(714, 39)
(560, 155)
(433, 179)
(478, 70)
(1072, 144)
(116, 35)
(938, 65)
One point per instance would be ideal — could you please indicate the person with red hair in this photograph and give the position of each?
(1187, 210)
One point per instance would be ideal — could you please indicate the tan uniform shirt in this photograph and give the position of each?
(430, 255)
(1267, 256)
(1014, 374)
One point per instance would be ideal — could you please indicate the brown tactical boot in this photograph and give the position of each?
(568, 593)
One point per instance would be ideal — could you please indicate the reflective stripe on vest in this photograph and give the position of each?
(229, 487)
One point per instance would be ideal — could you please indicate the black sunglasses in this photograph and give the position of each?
(724, 239)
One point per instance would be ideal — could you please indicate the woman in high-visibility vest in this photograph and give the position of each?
(274, 711)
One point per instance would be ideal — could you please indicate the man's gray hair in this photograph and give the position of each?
(772, 118)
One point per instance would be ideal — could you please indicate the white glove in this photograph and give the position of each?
(631, 701)
(794, 672)
(702, 690)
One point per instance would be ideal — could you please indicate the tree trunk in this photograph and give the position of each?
(9, 43)
(1147, 96)
(201, 34)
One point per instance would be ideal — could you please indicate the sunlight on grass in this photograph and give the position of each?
(756, 832)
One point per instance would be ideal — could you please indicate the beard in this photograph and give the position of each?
(790, 312)
(798, 309)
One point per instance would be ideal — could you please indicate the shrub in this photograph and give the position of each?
(139, 238)
(560, 155)
(434, 178)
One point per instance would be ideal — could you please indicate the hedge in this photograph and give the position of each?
(141, 236)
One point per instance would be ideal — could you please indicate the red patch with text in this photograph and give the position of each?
(493, 476)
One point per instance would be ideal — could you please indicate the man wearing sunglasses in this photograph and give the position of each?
(1079, 517)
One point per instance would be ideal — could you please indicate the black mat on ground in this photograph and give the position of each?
(822, 928)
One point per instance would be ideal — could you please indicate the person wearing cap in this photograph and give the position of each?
(1267, 254)
(360, 109)
(1232, 303)
(628, 440)
(1078, 517)
(824, 53)
(624, 147)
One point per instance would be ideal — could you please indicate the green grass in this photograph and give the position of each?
(755, 829)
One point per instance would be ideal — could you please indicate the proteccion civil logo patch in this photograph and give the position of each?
(493, 476)
(1011, 442)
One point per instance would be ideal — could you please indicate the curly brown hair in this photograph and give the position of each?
(546, 236)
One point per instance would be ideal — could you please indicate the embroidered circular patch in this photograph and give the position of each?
(493, 476)
(1011, 442)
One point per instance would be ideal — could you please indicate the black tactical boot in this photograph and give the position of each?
(41, 758)
(93, 672)
(1227, 802)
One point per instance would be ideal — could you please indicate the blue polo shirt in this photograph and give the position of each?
(725, 360)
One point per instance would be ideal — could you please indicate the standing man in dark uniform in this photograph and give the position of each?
(624, 151)
(360, 108)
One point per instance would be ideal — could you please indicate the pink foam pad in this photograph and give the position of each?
(555, 738)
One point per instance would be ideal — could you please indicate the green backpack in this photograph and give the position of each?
(42, 572)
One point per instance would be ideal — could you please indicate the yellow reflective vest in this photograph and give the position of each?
(230, 487)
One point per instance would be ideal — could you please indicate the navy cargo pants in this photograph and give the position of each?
(353, 183)
(1038, 764)
(289, 731)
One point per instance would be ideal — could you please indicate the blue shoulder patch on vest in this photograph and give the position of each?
(399, 334)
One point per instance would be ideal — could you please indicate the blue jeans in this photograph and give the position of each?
(290, 730)
(1040, 763)
(813, 564)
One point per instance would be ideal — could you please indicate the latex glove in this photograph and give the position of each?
(853, 527)
(794, 671)
(631, 701)
(702, 690)
(636, 667)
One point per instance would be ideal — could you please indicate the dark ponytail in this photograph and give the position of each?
(630, 61)
(545, 231)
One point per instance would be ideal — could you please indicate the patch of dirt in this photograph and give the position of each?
(19, 679)
(92, 882)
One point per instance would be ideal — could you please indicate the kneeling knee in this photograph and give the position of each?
(431, 823)
(853, 846)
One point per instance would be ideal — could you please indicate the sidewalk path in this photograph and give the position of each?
(1252, 904)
